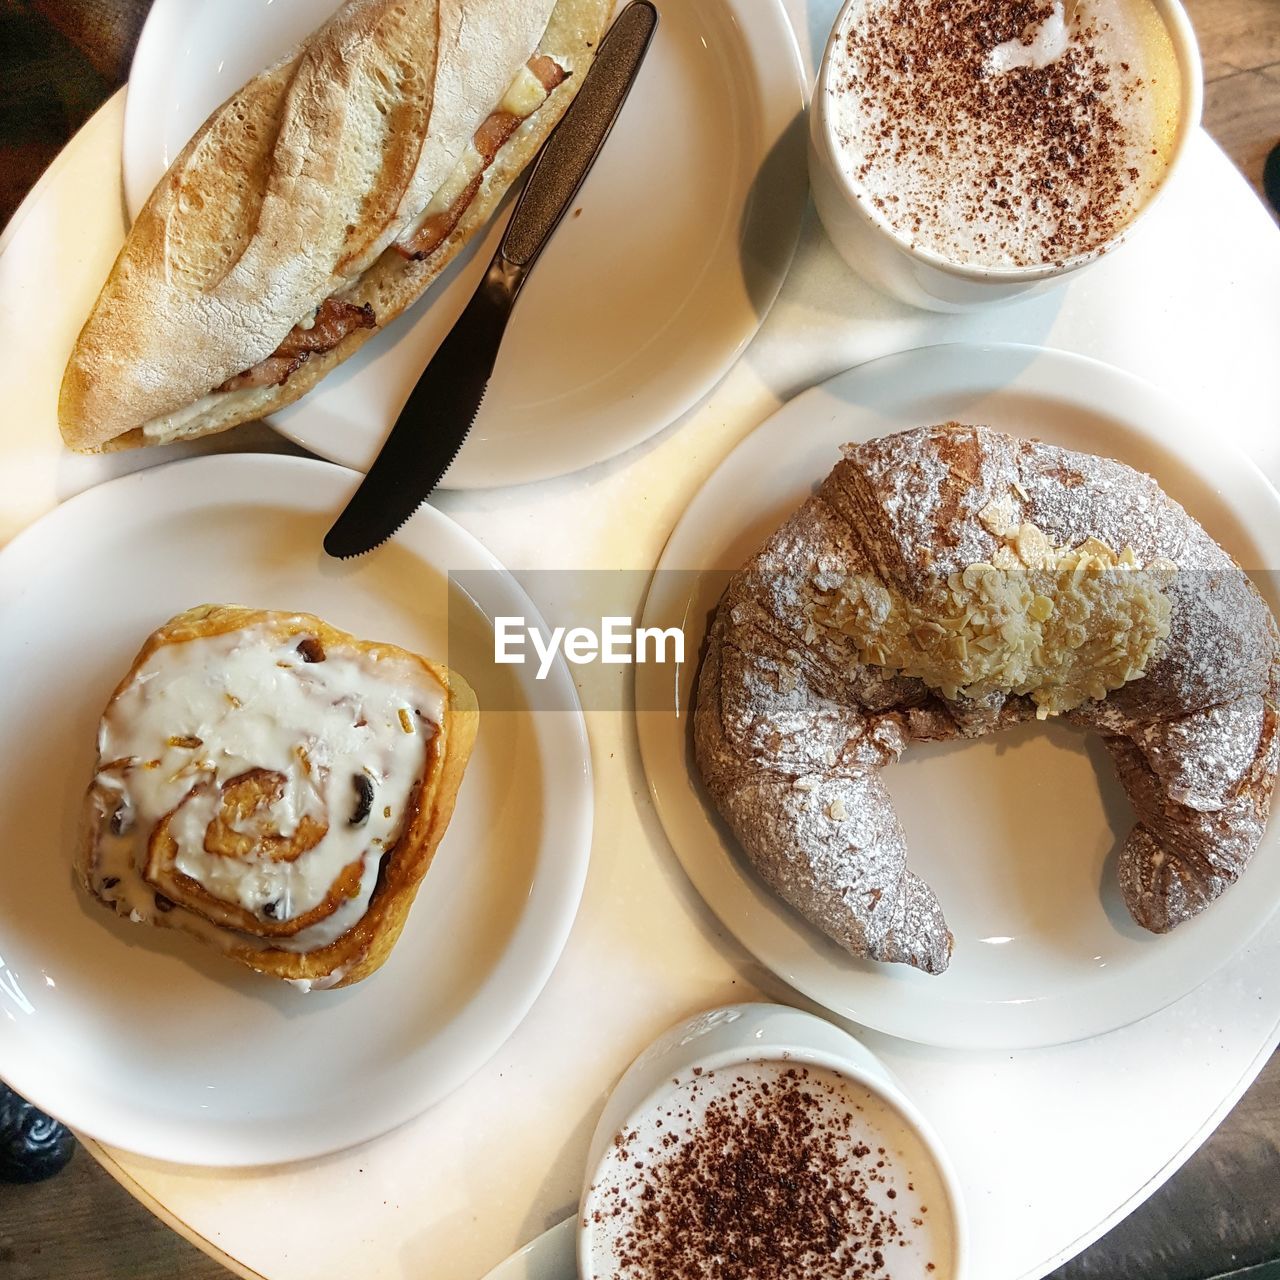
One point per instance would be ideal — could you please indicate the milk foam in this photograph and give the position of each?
(902, 1181)
(936, 149)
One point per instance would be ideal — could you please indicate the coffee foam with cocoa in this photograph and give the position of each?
(772, 1170)
(1005, 133)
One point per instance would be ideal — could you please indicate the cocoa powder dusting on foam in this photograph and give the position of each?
(769, 1185)
(1047, 156)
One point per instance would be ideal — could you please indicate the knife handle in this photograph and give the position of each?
(571, 150)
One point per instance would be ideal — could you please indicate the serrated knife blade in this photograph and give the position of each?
(440, 410)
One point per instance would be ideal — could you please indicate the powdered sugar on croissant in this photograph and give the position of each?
(951, 581)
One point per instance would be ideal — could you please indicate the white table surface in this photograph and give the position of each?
(1053, 1145)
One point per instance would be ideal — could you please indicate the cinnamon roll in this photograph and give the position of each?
(275, 787)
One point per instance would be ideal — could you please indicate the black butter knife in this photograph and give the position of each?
(438, 415)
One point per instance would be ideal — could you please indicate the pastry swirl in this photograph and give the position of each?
(952, 581)
(276, 787)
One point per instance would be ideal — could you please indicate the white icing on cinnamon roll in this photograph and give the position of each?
(255, 783)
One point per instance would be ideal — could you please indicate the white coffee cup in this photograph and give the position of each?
(922, 277)
(760, 1033)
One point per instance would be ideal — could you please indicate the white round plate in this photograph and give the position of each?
(149, 1041)
(628, 320)
(1018, 832)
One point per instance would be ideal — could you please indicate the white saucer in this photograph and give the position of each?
(1017, 832)
(552, 1256)
(149, 1041)
(629, 319)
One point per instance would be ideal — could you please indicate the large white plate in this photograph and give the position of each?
(149, 1041)
(642, 302)
(1018, 832)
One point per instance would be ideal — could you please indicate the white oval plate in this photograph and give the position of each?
(144, 1038)
(1017, 832)
(642, 301)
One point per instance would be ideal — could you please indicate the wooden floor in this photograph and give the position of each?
(1220, 1214)
(1240, 45)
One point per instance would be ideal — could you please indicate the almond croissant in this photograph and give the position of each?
(951, 581)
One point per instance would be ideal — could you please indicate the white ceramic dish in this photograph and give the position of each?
(144, 1038)
(921, 277)
(719, 1039)
(552, 1256)
(1018, 831)
(628, 321)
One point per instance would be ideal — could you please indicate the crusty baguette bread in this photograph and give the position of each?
(120, 859)
(949, 582)
(292, 192)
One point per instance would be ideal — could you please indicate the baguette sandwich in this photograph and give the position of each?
(316, 205)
